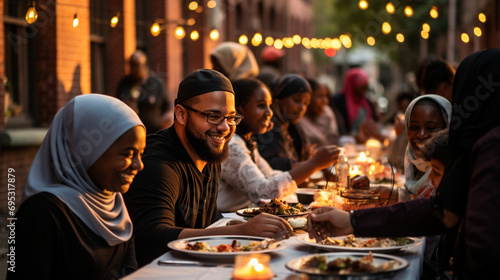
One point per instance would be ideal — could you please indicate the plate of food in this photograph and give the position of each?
(224, 246)
(276, 207)
(349, 265)
(361, 244)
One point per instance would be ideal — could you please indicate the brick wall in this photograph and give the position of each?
(2, 71)
(20, 160)
(72, 50)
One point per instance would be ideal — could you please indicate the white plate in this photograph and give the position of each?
(216, 240)
(242, 213)
(296, 265)
(304, 238)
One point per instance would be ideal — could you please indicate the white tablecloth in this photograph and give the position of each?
(294, 249)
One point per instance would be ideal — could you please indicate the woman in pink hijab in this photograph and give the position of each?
(353, 105)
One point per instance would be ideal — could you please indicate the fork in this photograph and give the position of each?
(281, 235)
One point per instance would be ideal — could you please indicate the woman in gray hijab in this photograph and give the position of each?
(72, 222)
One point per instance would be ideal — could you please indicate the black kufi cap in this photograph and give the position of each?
(202, 81)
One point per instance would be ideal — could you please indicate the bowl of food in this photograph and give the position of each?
(305, 195)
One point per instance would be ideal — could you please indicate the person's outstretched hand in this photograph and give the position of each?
(360, 182)
(264, 225)
(329, 221)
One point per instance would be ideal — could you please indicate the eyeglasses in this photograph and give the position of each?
(216, 119)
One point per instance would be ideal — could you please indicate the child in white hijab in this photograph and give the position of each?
(420, 127)
(72, 222)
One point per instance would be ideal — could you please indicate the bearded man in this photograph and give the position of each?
(175, 195)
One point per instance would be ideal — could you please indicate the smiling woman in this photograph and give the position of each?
(72, 199)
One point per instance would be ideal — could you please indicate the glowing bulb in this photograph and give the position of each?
(370, 40)
(400, 37)
(243, 39)
(465, 38)
(386, 28)
(31, 14)
(481, 17)
(336, 44)
(155, 29)
(193, 5)
(296, 39)
(424, 34)
(211, 4)
(179, 32)
(257, 37)
(477, 31)
(426, 27)
(434, 12)
(114, 20)
(194, 35)
(269, 41)
(363, 4)
(314, 43)
(345, 40)
(278, 44)
(191, 21)
(75, 21)
(390, 8)
(288, 42)
(306, 42)
(408, 11)
(214, 34)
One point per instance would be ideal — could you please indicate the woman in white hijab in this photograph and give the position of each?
(425, 116)
(72, 222)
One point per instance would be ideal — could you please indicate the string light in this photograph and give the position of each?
(190, 21)
(477, 31)
(288, 42)
(426, 27)
(31, 14)
(465, 38)
(257, 39)
(193, 5)
(243, 39)
(114, 20)
(424, 34)
(269, 41)
(481, 17)
(75, 21)
(296, 39)
(306, 42)
(278, 44)
(336, 44)
(211, 4)
(179, 32)
(370, 40)
(155, 29)
(386, 28)
(434, 12)
(214, 34)
(194, 35)
(400, 37)
(390, 8)
(363, 4)
(408, 11)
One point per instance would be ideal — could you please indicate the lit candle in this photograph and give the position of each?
(252, 267)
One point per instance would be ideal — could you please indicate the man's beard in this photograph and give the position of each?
(201, 147)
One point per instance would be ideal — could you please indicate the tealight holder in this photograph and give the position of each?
(252, 267)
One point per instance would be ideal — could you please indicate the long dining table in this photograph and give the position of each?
(294, 249)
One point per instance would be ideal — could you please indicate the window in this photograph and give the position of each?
(20, 64)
